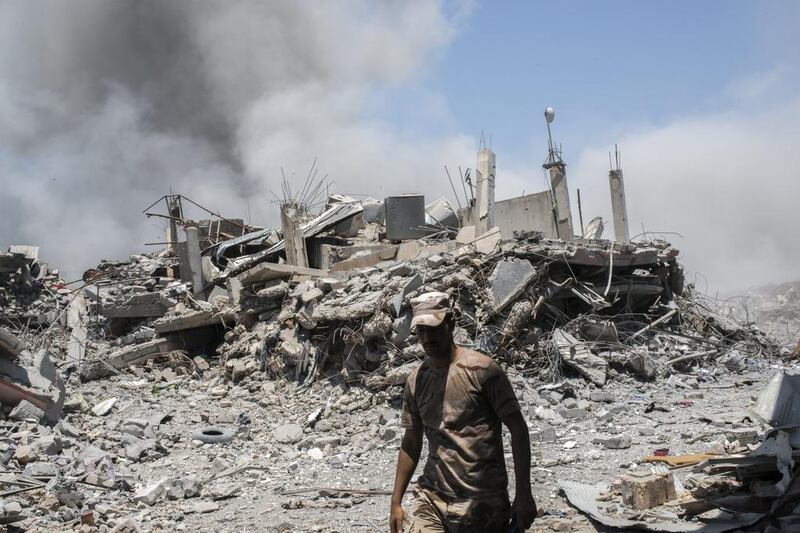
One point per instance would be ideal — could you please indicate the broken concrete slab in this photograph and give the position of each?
(410, 286)
(348, 308)
(577, 356)
(288, 433)
(466, 235)
(193, 320)
(152, 304)
(10, 345)
(150, 494)
(616, 442)
(270, 271)
(779, 402)
(365, 259)
(508, 281)
(47, 379)
(128, 356)
(25, 410)
(311, 295)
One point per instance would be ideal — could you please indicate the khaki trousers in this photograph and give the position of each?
(431, 514)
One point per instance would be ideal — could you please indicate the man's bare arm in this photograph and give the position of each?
(524, 505)
(407, 460)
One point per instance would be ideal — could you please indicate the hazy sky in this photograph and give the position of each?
(105, 106)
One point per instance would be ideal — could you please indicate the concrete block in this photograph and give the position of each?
(645, 491)
(509, 280)
(435, 261)
(288, 433)
(150, 494)
(25, 410)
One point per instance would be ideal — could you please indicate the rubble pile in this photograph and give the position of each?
(536, 304)
(776, 309)
(31, 294)
(744, 479)
(120, 390)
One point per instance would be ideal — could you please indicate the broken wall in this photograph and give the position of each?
(532, 212)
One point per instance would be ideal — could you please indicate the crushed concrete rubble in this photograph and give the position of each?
(251, 394)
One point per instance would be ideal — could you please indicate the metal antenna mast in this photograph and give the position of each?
(553, 153)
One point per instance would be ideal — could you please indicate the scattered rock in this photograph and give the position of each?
(104, 407)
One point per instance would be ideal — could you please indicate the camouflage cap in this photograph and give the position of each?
(430, 309)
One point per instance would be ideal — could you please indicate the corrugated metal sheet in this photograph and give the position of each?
(585, 498)
(779, 402)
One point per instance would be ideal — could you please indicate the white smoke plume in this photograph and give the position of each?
(728, 182)
(105, 106)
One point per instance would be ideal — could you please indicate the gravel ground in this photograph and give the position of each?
(354, 445)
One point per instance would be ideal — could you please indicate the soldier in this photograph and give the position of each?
(458, 398)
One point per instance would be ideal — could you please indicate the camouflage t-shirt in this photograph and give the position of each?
(459, 408)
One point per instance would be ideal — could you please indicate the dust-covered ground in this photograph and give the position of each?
(279, 474)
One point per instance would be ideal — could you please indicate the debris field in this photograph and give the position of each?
(248, 378)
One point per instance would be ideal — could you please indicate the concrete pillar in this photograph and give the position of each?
(619, 208)
(293, 239)
(563, 211)
(483, 211)
(172, 228)
(192, 268)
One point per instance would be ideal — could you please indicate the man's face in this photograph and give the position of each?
(435, 339)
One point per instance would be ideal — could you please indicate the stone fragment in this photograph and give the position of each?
(311, 295)
(135, 449)
(604, 415)
(69, 430)
(508, 281)
(25, 410)
(338, 460)
(377, 326)
(150, 494)
(602, 397)
(128, 525)
(548, 433)
(180, 488)
(288, 434)
(48, 444)
(12, 508)
(574, 414)
(39, 469)
(399, 270)
(104, 407)
(617, 442)
(205, 507)
(435, 261)
(77, 404)
(25, 454)
(236, 369)
(645, 491)
(315, 453)
(329, 284)
(578, 356)
(560, 524)
(275, 292)
(200, 363)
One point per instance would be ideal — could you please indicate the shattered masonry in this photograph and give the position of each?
(227, 307)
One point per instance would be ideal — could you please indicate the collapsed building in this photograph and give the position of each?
(326, 297)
